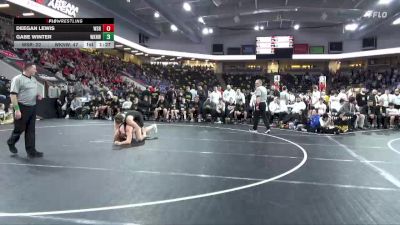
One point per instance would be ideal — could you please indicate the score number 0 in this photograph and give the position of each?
(108, 27)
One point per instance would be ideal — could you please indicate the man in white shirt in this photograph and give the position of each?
(396, 99)
(284, 96)
(297, 111)
(215, 96)
(274, 107)
(343, 95)
(320, 107)
(315, 96)
(193, 92)
(277, 110)
(392, 113)
(385, 99)
(229, 93)
(127, 104)
(334, 102)
(240, 96)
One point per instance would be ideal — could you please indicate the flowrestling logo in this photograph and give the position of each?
(375, 14)
(62, 6)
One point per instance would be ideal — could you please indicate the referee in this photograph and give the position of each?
(23, 95)
(260, 107)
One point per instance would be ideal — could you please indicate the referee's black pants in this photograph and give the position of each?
(27, 124)
(261, 113)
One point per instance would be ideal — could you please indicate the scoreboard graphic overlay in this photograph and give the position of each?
(64, 33)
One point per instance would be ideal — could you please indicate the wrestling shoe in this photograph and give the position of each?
(155, 128)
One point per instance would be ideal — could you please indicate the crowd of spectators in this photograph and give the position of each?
(96, 88)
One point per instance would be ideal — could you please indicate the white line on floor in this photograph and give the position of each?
(260, 155)
(389, 144)
(260, 142)
(248, 154)
(389, 177)
(78, 125)
(239, 141)
(204, 176)
(80, 221)
(185, 198)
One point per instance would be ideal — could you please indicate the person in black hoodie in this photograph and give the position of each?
(362, 101)
(202, 94)
(173, 108)
(155, 97)
(380, 115)
(61, 101)
(135, 104)
(145, 107)
(171, 94)
(161, 106)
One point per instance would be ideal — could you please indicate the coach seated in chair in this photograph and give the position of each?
(195, 110)
(145, 107)
(220, 111)
(240, 111)
(297, 113)
(380, 115)
(349, 112)
(209, 111)
(392, 114)
(127, 104)
(75, 109)
(161, 108)
(278, 111)
(230, 111)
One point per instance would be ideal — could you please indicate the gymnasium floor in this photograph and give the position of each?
(207, 174)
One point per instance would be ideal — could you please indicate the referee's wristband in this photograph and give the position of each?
(16, 108)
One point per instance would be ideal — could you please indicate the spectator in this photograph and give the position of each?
(334, 102)
(314, 125)
(393, 114)
(320, 106)
(174, 110)
(239, 96)
(215, 96)
(396, 99)
(127, 105)
(220, 111)
(327, 125)
(193, 92)
(75, 108)
(161, 107)
(277, 110)
(315, 96)
(61, 104)
(296, 114)
(184, 107)
(209, 110)
(229, 93)
(194, 110)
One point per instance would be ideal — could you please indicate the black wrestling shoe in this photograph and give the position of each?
(35, 154)
(12, 148)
